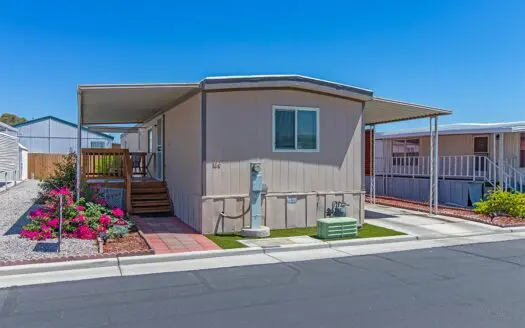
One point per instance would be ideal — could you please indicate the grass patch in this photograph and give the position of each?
(231, 240)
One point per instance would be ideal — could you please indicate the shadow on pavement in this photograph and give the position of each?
(372, 215)
(20, 222)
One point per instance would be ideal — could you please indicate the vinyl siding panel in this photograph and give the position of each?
(9, 155)
(239, 131)
(183, 160)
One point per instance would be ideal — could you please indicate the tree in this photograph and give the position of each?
(11, 119)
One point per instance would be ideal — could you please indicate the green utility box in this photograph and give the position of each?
(338, 227)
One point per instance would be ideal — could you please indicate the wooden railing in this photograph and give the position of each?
(141, 163)
(108, 164)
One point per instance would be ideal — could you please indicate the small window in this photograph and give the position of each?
(481, 145)
(97, 144)
(295, 129)
(150, 140)
(405, 148)
(522, 150)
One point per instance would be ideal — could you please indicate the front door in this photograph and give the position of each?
(160, 145)
(481, 148)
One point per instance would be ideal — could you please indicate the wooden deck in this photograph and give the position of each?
(120, 169)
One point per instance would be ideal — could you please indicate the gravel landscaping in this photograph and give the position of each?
(15, 204)
(461, 213)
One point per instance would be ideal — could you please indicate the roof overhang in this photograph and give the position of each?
(113, 129)
(381, 110)
(132, 103)
(139, 103)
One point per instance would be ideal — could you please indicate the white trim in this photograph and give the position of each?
(295, 109)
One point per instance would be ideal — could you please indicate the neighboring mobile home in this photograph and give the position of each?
(471, 156)
(13, 156)
(50, 134)
(9, 154)
(307, 133)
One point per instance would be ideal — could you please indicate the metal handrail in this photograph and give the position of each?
(513, 176)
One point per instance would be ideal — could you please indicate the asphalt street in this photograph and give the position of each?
(480, 285)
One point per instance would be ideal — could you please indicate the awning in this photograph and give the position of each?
(137, 103)
(381, 110)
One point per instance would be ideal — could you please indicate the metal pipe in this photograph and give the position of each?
(373, 153)
(431, 167)
(60, 226)
(436, 150)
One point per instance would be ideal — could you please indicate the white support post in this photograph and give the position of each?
(79, 142)
(494, 160)
(373, 159)
(436, 151)
(431, 167)
(501, 163)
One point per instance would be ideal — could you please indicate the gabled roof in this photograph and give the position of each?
(457, 128)
(50, 117)
(4, 126)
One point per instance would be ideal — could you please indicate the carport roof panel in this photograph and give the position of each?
(381, 110)
(129, 103)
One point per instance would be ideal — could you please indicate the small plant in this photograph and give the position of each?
(500, 202)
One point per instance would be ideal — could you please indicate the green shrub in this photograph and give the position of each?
(64, 175)
(502, 202)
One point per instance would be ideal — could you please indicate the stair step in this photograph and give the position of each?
(147, 184)
(150, 203)
(158, 209)
(155, 190)
(155, 196)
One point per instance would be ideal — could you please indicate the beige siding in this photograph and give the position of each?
(183, 160)
(239, 130)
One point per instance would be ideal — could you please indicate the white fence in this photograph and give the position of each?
(465, 167)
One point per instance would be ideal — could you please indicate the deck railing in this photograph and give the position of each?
(461, 166)
(108, 164)
(514, 179)
(142, 163)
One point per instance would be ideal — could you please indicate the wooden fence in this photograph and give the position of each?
(41, 166)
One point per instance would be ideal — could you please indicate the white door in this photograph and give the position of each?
(160, 144)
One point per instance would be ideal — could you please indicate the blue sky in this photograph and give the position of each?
(468, 56)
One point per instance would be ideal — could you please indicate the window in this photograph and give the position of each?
(97, 144)
(405, 148)
(481, 145)
(522, 150)
(295, 129)
(150, 140)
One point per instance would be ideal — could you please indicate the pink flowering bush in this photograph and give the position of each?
(82, 219)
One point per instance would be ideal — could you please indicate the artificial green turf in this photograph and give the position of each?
(230, 240)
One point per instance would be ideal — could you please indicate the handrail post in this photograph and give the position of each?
(128, 176)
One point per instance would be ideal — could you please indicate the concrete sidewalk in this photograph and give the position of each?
(425, 226)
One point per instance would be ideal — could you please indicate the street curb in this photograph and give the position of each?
(301, 247)
(58, 266)
(160, 258)
(371, 241)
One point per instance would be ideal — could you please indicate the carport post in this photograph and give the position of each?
(371, 143)
(79, 142)
(436, 161)
(431, 167)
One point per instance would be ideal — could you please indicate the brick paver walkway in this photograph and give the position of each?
(170, 235)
